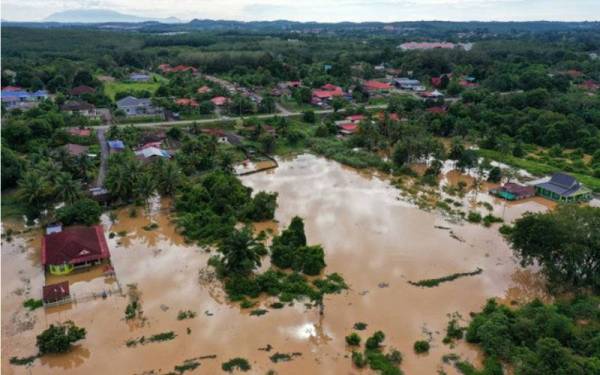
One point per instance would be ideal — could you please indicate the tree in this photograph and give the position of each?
(495, 175)
(338, 103)
(309, 116)
(262, 207)
(168, 177)
(241, 253)
(34, 191)
(353, 339)
(67, 189)
(85, 211)
(58, 338)
(563, 242)
(12, 167)
(267, 142)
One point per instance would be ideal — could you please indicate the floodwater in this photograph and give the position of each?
(376, 240)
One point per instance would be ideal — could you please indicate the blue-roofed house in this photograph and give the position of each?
(133, 106)
(563, 188)
(139, 77)
(152, 153)
(116, 145)
(21, 98)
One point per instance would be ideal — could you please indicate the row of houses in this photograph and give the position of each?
(14, 97)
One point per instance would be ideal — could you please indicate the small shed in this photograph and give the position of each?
(511, 191)
(56, 294)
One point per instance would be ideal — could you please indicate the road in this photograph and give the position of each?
(103, 156)
(209, 121)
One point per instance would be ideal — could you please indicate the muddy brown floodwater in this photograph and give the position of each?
(377, 241)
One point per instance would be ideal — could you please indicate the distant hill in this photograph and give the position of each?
(101, 16)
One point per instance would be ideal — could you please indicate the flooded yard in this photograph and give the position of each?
(376, 240)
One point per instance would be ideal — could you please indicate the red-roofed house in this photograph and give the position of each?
(330, 87)
(391, 116)
(79, 132)
(573, 73)
(203, 90)
(590, 85)
(294, 84)
(219, 100)
(347, 129)
(12, 88)
(326, 92)
(56, 294)
(184, 68)
(185, 102)
(376, 86)
(353, 119)
(74, 247)
(466, 84)
(83, 89)
(436, 110)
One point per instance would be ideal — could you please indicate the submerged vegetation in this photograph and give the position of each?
(238, 363)
(430, 283)
(373, 356)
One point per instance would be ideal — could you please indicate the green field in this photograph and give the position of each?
(112, 88)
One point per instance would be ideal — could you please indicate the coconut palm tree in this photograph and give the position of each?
(67, 189)
(169, 177)
(145, 187)
(241, 253)
(34, 190)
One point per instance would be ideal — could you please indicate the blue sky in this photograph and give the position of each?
(320, 10)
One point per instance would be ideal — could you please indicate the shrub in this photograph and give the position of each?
(58, 338)
(374, 342)
(421, 346)
(353, 339)
(360, 326)
(241, 364)
(33, 304)
(359, 359)
(474, 217)
(84, 211)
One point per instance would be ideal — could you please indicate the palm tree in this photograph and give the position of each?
(119, 181)
(67, 189)
(241, 253)
(34, 190)
(145, 187)
(169, 177)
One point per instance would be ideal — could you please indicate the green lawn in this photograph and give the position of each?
(112, 88)
(538, 168)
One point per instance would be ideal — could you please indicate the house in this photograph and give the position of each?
(139, 77)
(13, 98)
(76, 150)
(56, 294)
(152, 153)
(116, 145)
(217, 133)
(74, 247)
(426, 46)
(439, 80)
(81, 90)
(99, 194)
(409, 84)
(219, 101)
(203, 90)
(435, 94)
(185, 102)
(156, 144)
(79, 107)
(166, 68)
(347, 128)
(375, 86)
(12, 88)
(133, 106)
(511, 191)
(590, 85)
(563, 188)
(391, 116)
(354, 119)
(326, 92)
(80, 132)
(467, 84)
(436, 110)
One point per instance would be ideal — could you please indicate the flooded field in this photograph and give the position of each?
(375, 239)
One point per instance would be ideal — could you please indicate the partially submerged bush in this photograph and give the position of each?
(421, 346)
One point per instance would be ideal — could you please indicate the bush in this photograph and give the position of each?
(421, 346)
(359, 359)
(239, 363)
(58, 338)
(360, 326)
(33, 304)
(84, 211)
(353, 339)
(474, 217)
(374, 342)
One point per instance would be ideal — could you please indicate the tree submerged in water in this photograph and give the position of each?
(59, 338)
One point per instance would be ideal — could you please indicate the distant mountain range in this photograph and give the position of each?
(102, 16)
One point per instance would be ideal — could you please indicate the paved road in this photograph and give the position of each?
(209, 121)
(103, 156)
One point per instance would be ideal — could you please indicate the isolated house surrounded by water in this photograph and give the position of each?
(74, 247)
(563, 188)
(511, 191)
